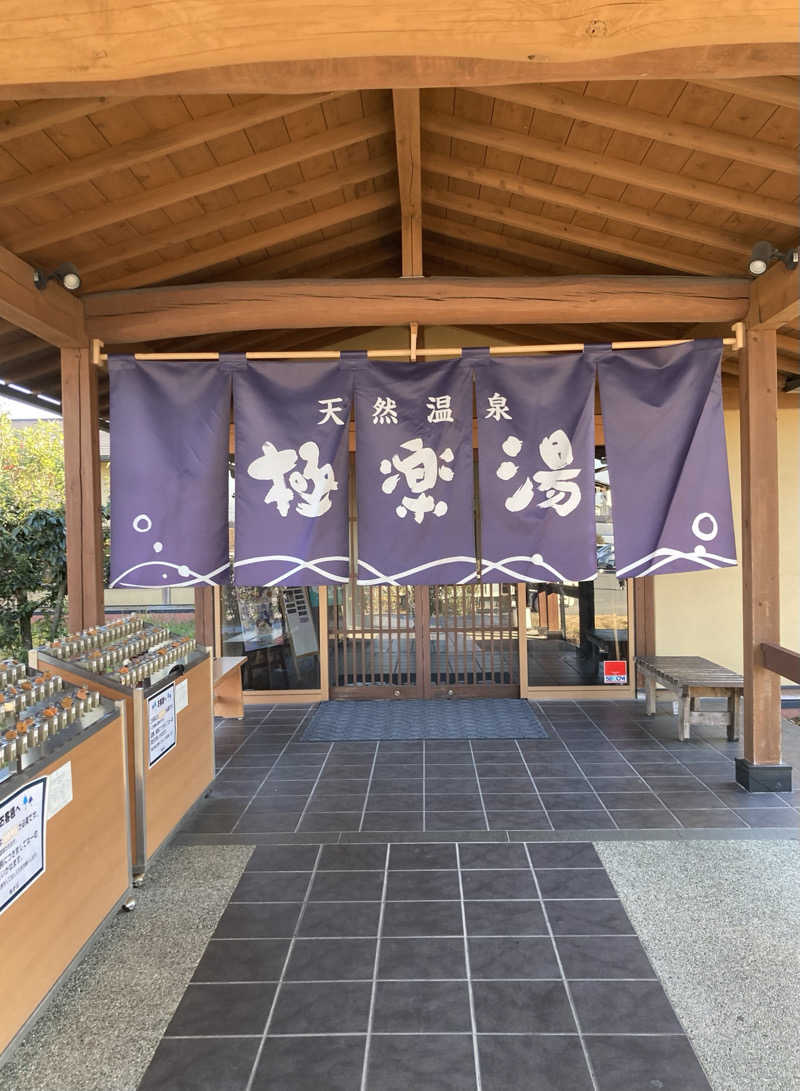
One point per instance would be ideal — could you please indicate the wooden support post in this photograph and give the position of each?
(204, 617)
(760, 590)
(82, 486)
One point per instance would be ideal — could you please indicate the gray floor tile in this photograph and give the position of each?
(575, 883)
(422, 958)
(340, 1007)
(352, 857)
(340, 919)
(623, 1063)
(588, 918)
(505, 918)
(525, 1007)
(422, 856)
(268, 821)
(766, 817)
(443, 1062)
(242, 960)
(422, 885)
(710, 820)
(347, 886)
(271, 886)
(581, 820)
(519, 820)
(532, 1063)
(603, 957)
(512, 957)
(645, 820)
(331, 960)
(311, 1064)
(258, 921)
(201, 1064)
(334, 820)
(419, 1007)
(222, 1009)
(492, 856)
(623, 1007)
(566, 854)
(422, 919)
(393, 821)
(498, 884)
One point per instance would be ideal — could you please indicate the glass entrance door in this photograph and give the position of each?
(437, 641)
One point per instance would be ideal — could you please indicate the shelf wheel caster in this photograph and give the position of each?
(138, 880)
(129, 905)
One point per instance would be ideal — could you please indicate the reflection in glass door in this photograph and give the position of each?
(474, 640)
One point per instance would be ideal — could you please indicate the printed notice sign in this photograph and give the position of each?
(615, 672)
(181, 695)
(21, 840)
(162, 730)
(59, 789)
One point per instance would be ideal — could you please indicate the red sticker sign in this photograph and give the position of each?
(615, 672)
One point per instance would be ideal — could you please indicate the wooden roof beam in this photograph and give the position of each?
(777, 90)
(67, 227)
(257, 240)
(776, 298)
(152, 313)
(32, 117)
(409, 176)
(606, 166)
(53, 314)
(517, 184)
(665, 130)
(657, 257)
(240, 212)
(563, 261)
(110, 43)
(162, 142)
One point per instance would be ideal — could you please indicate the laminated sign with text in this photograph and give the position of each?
(414, 472)
(291, 471)
(169, 472)
(536, 466)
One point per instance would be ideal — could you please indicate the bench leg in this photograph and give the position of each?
(650, 686)
(735, 716)
(684, 721)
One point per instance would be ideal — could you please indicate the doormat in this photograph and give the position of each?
(477, 718)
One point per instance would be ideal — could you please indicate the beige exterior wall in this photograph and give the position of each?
(701, 613)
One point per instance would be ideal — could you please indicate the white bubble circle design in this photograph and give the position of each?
(537, 558)
(705, 535)
(142, 523)
(157, 547)
(183, 570)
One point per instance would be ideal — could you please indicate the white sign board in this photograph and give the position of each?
(59, 789)
(21, 840)
(302, 631)
(181, 695)
(161, 724)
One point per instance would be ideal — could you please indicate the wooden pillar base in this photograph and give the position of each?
(763, 778)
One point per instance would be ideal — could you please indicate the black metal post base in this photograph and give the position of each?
(763, 778)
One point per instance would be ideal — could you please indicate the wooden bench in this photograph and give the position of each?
(228, 700)
(689, 677)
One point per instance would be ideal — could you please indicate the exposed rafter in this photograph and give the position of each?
(777, 90)
(607, 166)
(629, 119)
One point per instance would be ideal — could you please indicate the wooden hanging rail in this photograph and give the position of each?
(385, 354)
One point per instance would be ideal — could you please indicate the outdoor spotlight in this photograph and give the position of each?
(764, 254)
(66, 274)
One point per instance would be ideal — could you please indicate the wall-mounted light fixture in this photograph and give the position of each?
(66, 274)
(764, 254)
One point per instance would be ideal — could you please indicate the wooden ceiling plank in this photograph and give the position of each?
(652, 126)
(240, 212)
(156, 144)
(778, 90)
(34, 116)
(181, 310)
(53, 314)
(621, 170)
(257, 240)
(22, 346)
(587, 202)
(315, 253)
(218, 177)
(660, 258)
(560, 260)
(409, 176)
(776, 298)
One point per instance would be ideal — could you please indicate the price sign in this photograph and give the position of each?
(21, 841)
(161, 724)
(615, 672)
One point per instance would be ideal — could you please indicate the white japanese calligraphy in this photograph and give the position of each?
(441, 411)
(562, 492)
(384, 411)
(309, 487)
(421, 468)
(497, 407)
(330, 408)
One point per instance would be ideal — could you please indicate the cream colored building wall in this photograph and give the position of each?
(701, 613)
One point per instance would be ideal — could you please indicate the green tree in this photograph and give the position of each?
(32, 531)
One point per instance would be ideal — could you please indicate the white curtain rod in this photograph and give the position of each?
(412, 352)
